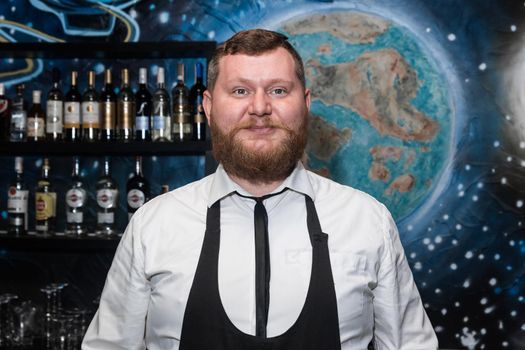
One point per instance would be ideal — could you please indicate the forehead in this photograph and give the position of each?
(272, 65)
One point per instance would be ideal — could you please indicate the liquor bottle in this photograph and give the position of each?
(143, 103)
(182, 124)
(108, 104)
(19, 116)
(5, 114)
(90, 111)
(161, 120)
(196, 95)
(72, 111)
(55, 109)
(36, 119)
(126, 109)
(45, 202)
(137, 188)
(107, 199)
(75, 202)
(17, 200)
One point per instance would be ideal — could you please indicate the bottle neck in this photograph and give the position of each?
(138, 166)
(107, 168)
(76, 169)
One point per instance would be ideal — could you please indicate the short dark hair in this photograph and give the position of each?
(253, 42)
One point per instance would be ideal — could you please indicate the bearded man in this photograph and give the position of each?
(262, 254)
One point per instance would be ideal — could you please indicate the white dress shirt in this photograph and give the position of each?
(148, 284)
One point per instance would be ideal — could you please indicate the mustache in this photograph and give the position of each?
(259, 123)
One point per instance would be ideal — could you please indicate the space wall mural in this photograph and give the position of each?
(419, 103)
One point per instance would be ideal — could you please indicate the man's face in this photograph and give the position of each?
(257, 111)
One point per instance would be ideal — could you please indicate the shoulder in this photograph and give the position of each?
(176, 204)
(332, 193)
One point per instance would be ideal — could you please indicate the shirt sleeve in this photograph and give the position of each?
(400, 320)
(120, 320)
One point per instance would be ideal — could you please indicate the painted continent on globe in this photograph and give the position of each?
(381, 117)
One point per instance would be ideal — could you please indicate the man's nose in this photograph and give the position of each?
(260, 104)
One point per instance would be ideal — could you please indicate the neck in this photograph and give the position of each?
(256, 189)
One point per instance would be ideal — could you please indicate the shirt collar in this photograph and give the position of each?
(223, 186)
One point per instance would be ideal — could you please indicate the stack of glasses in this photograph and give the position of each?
(25, 326)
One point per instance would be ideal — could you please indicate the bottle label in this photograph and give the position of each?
(45, 205)
(90, 114)
(126, 110)
(75, 197)
(136, 198)
(75, 217)
(107, 198)
(54, 116)
(158, 122)
(181, 117)
(200, 116)
(141, 123)
(35, 127)
(105, 218)
(108, 115)
(71, 115)
(18, 120)
(17, 200)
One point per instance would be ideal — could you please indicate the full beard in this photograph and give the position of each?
(259, 167)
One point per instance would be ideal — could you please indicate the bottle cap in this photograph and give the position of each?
(2, 89)
(180, 72)
(37, 96)
(143, 76)
(160, 76)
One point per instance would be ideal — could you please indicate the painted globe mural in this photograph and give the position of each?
(381, 117)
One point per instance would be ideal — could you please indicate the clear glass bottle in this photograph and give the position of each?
(19, 116)
(143, 102)
(90, 111)
(107, 201)
(182, 123)
(45, 202)
(161, 119)
(137, 188)
(75, 202)
(36, 119)
(72, 108)
(196, 96)
(5, 114)
(108, 105)
(126, 109)
(55, 109)
(17, 201)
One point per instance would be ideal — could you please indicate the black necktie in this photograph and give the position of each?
(262, 263)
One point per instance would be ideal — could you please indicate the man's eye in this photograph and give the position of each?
(279, 91)
(240, 91)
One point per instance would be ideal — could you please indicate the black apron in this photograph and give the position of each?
(206, 325)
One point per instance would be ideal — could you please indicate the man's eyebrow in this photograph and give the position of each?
(270, 82)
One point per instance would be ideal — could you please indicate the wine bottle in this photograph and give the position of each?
(75, 202)
(19, 116)
(196, 95)
(182, 125)
(161, 120)
(45, 202)
(5, 114)
(72, 111)
(108, 101)
(36, 119)
(126, 109)
(143, 103)
(107, 199)
(17, 200)
(138, 189)
(55, 109)
(90, 111)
